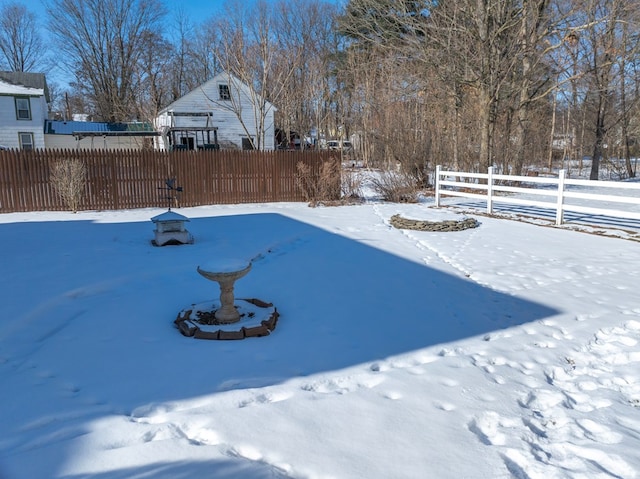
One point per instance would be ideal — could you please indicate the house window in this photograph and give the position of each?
(247, 144)
(23, 108)
(26, 141)
(224, 92)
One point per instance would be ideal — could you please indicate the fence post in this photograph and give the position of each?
(438, 186)
(559, 211)
(490, 191)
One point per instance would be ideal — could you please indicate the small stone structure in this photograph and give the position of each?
(170, 229)
(225, 319)
(257, 319)
(226, 274)
(399, 222)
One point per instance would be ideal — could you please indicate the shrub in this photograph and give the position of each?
(396, 186)
(69, 178)
(351, 182)
(323, 187)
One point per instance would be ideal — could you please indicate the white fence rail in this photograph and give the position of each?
(554, 192)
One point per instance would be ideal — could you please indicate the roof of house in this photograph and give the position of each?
(26, 79)
(59, 127)
(225, 77)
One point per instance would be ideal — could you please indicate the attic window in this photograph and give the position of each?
(224, 92)
(23, 108)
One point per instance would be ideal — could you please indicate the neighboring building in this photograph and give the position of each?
(563, 141)
(24, 99)
(218, 114)
(87, 135)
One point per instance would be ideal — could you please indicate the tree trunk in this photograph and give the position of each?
(521, 133)
(486, 127)
(598, 143)
(553, 128)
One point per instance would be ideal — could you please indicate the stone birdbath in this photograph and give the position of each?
(224, 320)
(225, 272)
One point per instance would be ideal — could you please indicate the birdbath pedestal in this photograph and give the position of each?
(225, 272)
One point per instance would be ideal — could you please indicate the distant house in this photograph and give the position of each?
(24, 99)
(563, 141)
(221, 113)
(88, 135)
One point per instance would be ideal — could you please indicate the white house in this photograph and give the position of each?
(221, 113)
(24, 101)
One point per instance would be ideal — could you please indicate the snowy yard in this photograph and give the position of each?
(508, 350)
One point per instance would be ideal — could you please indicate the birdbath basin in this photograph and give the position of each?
(225, 272)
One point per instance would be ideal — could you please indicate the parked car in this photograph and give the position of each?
(335, 145)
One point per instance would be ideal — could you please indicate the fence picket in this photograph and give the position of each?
(118, 179)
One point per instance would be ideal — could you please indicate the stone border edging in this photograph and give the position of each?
(399, 222)
(265, 329)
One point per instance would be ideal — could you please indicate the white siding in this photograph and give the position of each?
(205, 99)
(10, 126)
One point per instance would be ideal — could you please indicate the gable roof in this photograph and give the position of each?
(26, 79)
(223, 77)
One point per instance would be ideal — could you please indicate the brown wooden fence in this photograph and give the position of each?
(133, 178)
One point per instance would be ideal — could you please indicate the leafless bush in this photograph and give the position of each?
(69, 178)
(396, 186)
(323, 187)
(351, 184)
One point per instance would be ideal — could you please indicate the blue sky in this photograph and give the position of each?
(199, 10)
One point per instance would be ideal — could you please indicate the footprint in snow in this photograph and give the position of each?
(488, 428)
(598, 432)
(343, 385)
(444, 406)
(266, 398)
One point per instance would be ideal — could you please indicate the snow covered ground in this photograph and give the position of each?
(508, 350)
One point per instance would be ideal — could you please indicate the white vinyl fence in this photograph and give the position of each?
(554, 193)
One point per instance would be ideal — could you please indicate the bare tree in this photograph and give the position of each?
(628, 102)
(534, 75)
(250, 51)
(102, 42)
(152, 78)
(184, 62)
(493, 50)
(472, 44)
(384, 82)
(308, 27)
(21, 45)
(356, 105)
(601, 37)
(601, 57)
(201, 59)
